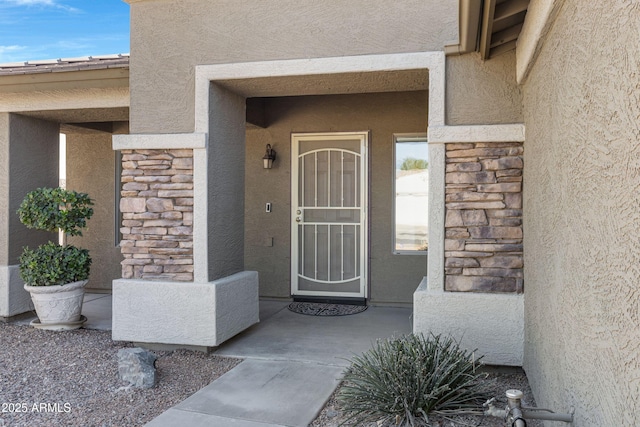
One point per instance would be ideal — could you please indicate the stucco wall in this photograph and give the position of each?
(482, 92)
(581, 213)
(29, 152)
(393, 277)
(226, 157)
(91, 165)
(169, 37)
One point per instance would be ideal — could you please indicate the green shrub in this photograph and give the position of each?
(50, 209)
(52, 264)
(411, 163)
(53, 209)
(403, 380)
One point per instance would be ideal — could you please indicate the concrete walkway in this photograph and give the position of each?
(292, 364)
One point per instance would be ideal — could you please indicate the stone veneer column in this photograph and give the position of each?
(483, 223)
(157, 214)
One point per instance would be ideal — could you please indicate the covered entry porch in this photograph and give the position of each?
(204, 259)
(230, 191)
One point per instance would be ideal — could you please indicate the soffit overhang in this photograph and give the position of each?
(490, 27)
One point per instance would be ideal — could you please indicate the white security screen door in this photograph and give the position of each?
(329, 205)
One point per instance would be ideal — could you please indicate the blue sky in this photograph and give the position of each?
(51, 29)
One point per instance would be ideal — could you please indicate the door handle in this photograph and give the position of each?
(298, 219)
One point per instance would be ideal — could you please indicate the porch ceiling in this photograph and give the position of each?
(82, 115)
(330, 84)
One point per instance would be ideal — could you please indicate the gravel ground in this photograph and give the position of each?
(76, 373)
(71, 379)
(499, 381)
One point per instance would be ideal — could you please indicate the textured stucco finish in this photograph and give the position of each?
(13, 298)
(28, 160)
(91, 170)
(492, 324)
(582, 210)
(393, 278)
(482, 92)
(29, 153)
(169, 37)
(195, 314)
(225, 185)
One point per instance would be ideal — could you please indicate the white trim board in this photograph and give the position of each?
(476, 133)
(172, 141)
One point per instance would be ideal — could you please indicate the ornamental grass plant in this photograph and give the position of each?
(401, 381)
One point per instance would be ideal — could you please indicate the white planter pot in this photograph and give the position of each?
(59, 304)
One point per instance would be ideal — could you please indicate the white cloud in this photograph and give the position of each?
(10, 53)
(9, 49)
(30, 2)
(12, 48)
(46, 3)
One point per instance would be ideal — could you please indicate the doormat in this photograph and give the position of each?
(320, 309)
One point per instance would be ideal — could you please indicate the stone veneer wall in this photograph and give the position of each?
(157, 214)
(483, 226)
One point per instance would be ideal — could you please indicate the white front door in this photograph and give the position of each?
(328, 218)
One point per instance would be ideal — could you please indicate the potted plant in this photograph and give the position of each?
(55, 275)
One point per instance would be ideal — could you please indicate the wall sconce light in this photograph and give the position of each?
(269, 157)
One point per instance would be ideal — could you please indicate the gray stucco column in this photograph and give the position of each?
(29, 150)
(218, 296)
(225, 175)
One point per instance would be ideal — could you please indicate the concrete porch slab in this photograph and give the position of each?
(272, 392)
(97, 309)
(270, 307)
(327, 340)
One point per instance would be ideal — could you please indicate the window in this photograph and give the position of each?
(410, 189)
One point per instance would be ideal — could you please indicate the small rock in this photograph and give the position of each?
(331, 413)
(137, 366)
